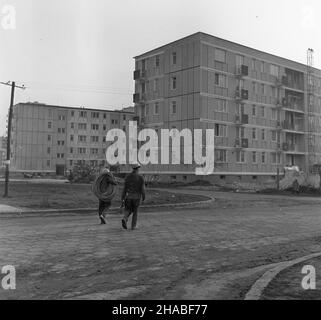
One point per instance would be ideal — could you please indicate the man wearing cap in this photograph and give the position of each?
(133, 192)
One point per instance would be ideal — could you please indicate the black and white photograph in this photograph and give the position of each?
(160, 155)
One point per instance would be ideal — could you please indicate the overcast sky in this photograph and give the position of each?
(80, 52)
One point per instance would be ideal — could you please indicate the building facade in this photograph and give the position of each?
(257, 103)
(52, 139)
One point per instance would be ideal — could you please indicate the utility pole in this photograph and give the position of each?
(13, 86)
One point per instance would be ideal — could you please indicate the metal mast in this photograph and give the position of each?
(311, 111)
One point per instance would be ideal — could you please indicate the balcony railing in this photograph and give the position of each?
(241, 94)
(242, 71)
(287, 125)
(243, 119)
(241, 143)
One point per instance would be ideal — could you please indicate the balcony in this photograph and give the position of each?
(243, 119)
(241, 94)
(281, 81)
(136, 74)
(139, 74)
(291, 147)
(241, 143)
(297, 106)
(293, 126)
(242, 71)
(136, 97)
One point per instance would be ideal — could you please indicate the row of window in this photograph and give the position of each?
(83, 114)
(221, 131)
(81, 126)
(81, 138)
(221, 157)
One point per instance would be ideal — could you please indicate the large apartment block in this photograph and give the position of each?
(260, 105)
(3, 151)
(52, 139)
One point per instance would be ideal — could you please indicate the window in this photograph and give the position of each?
(95, 115)
(48, 150)
(220, 156)
(48, 163)
(262, 66)
(220, 80)
(49, 125)
(157, 61)
(254, 157)
(104, 127)
(274, 114)
(240, 156)
(155, 84)
(173, 107)
(273, 135)
(72, 113)
(143, 64)
(105, 115)
(70, 163)
(81, 150)
(254, 87)
(94, 150)
(61, 143)
(263, 134)
(82, 138)
(104, 139)
(60, 117)
(274, 92)
(156, 108)
(253, 64)
(49, 137)
(124, 117)
(82, 114)
(221, 105)
(173, 83)
(82, 126)
(263, 157)
(114, 121)
(254, 133)
(239, 60)
(263, 89)
(273, 157)
(274, 70)
(72, 125)
(220, 55)
(72, 138)
(254, 111)
(94, 139)
(262, 111)
(59, 130)
(60, 155)
(174, 57)
(71, 150)
(95, 127)
(220, 130)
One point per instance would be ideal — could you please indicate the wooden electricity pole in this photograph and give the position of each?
(13, 86)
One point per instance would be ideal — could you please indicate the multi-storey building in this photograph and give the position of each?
(256, 102)
(52, 139)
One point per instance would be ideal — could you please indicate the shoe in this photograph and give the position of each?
(124, 224)
(102, 220)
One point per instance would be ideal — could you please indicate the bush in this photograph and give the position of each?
(83, 174)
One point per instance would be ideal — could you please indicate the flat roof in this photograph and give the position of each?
(74, 108)
(235, 43)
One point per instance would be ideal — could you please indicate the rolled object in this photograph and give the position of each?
(103, 189)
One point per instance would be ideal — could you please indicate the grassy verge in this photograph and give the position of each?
(58, 196)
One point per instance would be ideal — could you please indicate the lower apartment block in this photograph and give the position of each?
(264, 111)
(53, 139)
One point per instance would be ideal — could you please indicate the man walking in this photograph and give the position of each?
(133, 192)
(106, 183)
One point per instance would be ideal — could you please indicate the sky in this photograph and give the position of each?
(80, 52)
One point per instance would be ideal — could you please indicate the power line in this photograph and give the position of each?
(13, 86)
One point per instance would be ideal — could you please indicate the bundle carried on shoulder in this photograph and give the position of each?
(104, 187)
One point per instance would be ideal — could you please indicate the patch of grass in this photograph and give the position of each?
(58, 196)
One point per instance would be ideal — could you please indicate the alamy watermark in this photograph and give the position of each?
(8, 275)
(8, 17)
(156, 149)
